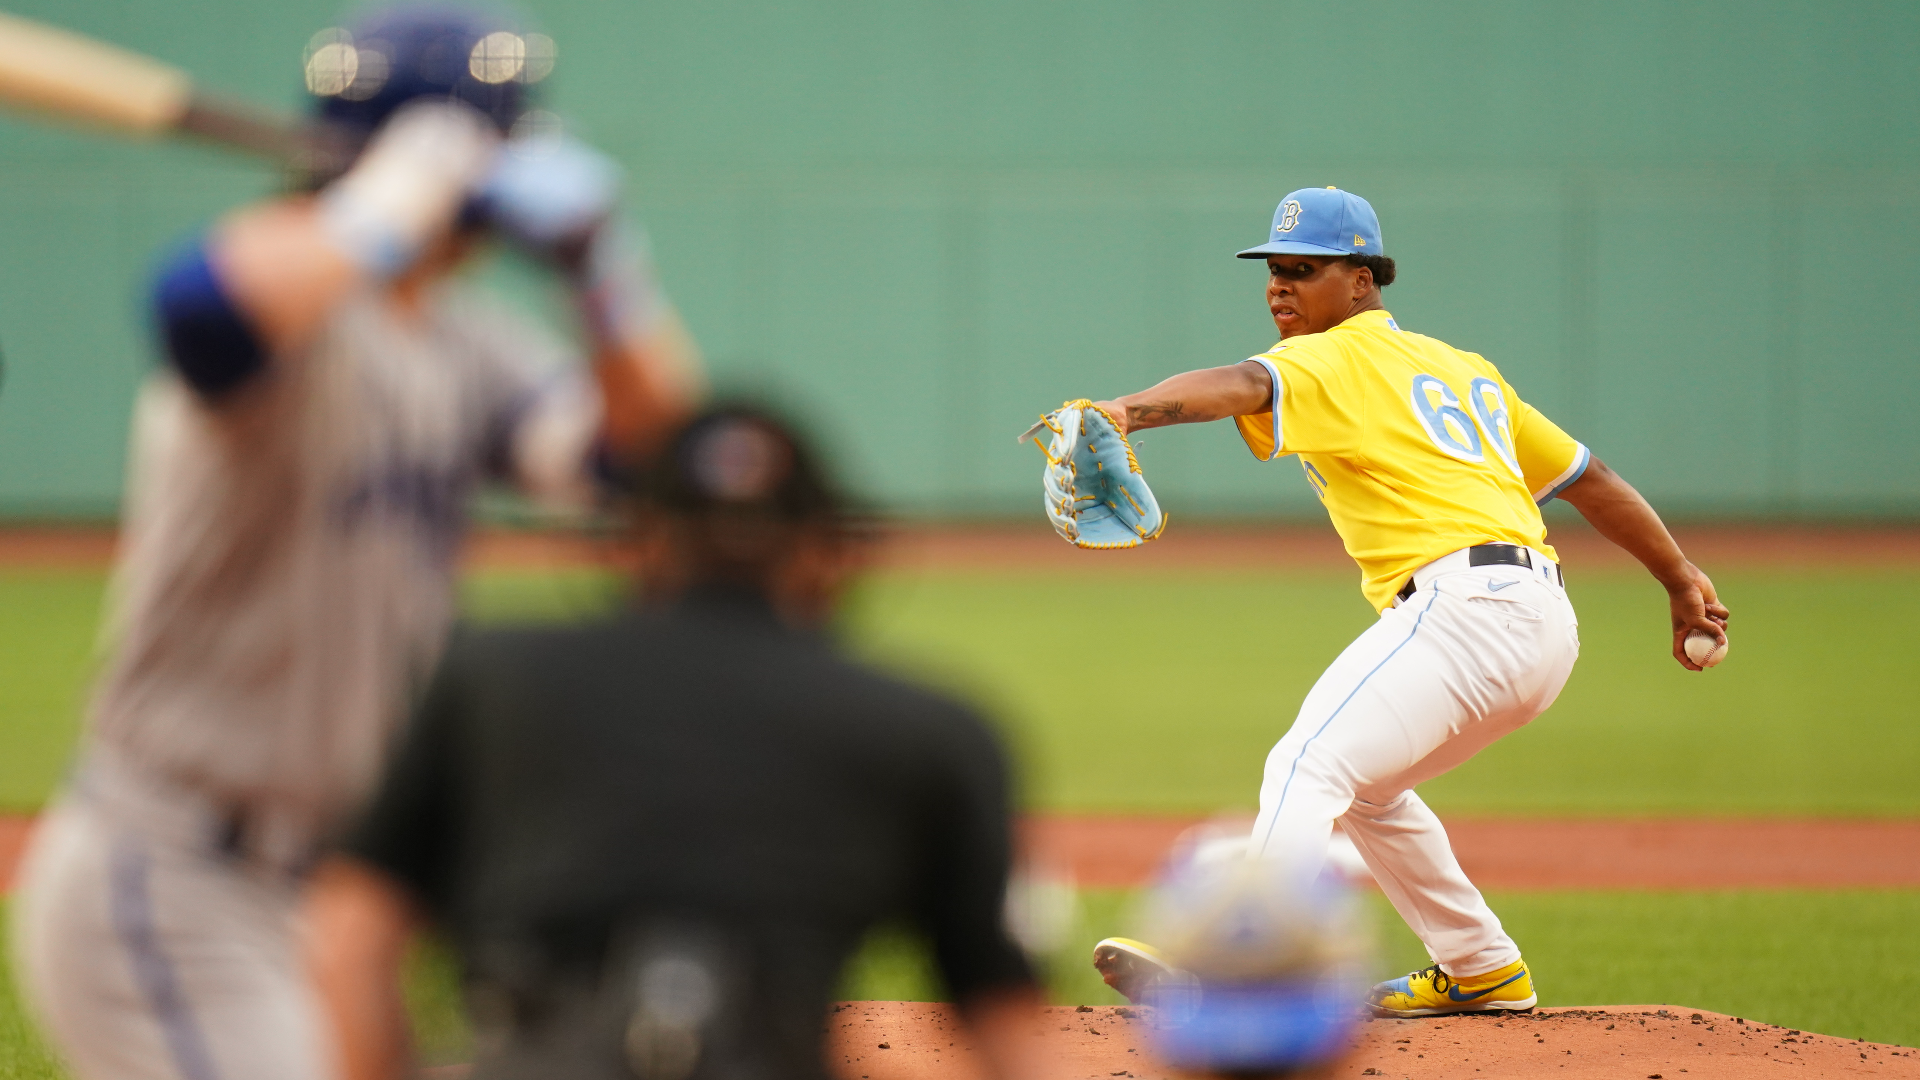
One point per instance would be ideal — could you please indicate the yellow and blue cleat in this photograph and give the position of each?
(1132, 967)
(1432, 992)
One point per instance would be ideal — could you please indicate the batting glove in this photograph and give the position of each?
(550, 196)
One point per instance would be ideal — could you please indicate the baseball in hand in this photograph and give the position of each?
(1702, 649)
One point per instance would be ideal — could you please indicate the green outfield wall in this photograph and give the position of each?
(1690, 232)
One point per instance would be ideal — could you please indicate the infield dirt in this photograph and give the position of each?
(898, 1040)
(1531, 853)
(1125, 852)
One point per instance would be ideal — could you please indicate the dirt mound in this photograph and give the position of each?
(1613, 1041)
(903, 1040)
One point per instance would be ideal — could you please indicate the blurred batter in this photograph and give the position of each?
(300, 473)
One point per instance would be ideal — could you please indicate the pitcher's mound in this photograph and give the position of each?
(905, 1040)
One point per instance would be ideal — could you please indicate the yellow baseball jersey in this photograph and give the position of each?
(1416, 448)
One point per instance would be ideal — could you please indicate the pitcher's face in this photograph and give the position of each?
(1309, 294)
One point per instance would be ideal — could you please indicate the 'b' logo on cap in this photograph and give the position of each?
(1289, 216)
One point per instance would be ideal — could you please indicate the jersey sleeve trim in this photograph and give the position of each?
(1565, 480)
(1279, 395)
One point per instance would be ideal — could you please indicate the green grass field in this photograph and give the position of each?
(1813, 714)
(1162, 693)
(1165, 692)
(1839, 962)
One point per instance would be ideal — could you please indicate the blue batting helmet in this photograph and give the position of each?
(359, 75)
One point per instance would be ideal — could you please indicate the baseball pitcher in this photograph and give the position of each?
(300, 471)
(1433, 470)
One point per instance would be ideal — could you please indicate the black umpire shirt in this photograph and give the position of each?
(655, 841)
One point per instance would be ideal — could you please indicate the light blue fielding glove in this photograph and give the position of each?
(1096, 495)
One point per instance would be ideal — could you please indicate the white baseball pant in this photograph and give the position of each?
(150, 953)
(1474, 653)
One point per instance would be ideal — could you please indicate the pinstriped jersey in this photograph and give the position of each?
(287, 565)
(1415, 448)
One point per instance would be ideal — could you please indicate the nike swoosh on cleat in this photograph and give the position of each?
(1454, 991)
(1496, 586)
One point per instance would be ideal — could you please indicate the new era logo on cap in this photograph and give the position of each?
(1321, 221)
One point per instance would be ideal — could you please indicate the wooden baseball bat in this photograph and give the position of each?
(75, 78)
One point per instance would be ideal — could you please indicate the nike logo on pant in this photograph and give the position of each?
(1496, 586)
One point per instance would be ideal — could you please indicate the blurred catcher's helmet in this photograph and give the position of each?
(739, 484)
(1274, 961)
(738, 459)
(359, 75)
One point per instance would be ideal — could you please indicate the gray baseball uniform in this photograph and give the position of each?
(287, 574)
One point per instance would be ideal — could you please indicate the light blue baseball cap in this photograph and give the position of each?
(1321, 221)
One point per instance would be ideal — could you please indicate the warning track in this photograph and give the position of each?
(1032, 547)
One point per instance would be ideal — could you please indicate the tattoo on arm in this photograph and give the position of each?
(1155, 413)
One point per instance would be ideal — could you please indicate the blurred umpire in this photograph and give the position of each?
(655, 842)
(300, 472)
